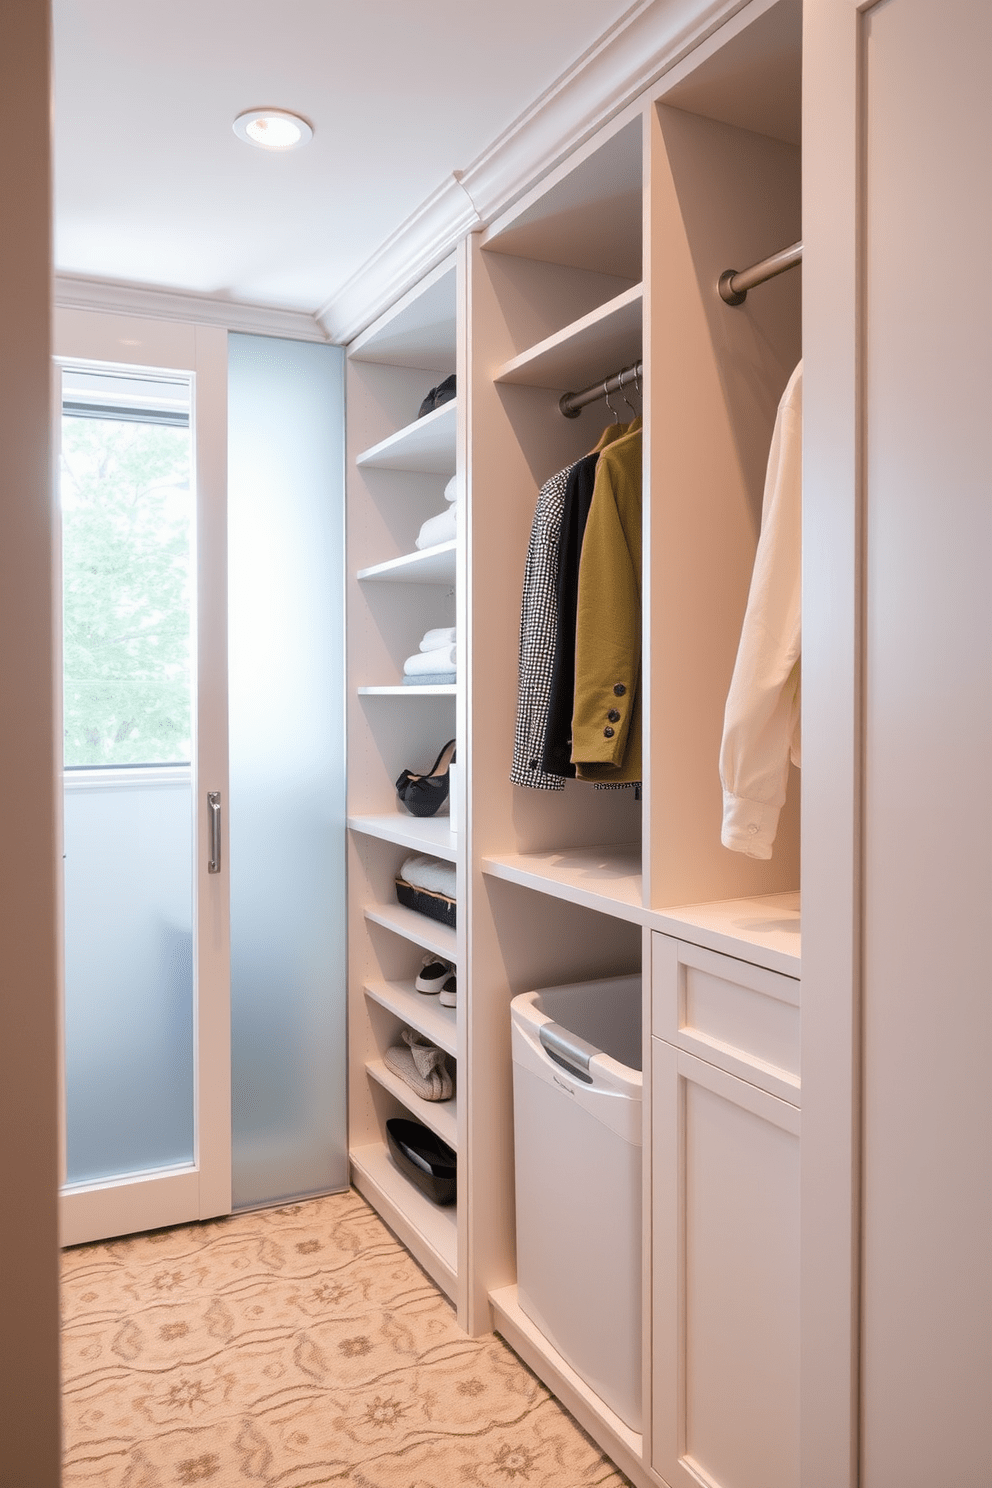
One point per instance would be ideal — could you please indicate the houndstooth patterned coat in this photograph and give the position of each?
(538, 632)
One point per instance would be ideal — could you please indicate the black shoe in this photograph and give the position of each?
(438, 396)
(424, 795)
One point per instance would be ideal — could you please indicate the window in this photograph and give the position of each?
(127, 546)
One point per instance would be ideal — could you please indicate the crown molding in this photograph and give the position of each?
(75, 292)
(417, 246)
(644, 43)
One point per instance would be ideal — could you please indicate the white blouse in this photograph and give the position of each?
(761, 723)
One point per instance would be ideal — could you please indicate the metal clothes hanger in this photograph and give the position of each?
(624, 395)
(606, 395)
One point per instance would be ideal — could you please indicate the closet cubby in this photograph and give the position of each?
(401, 730)
(416, 929)
(440, 1116)
(609, 336)
(719, 196)
(415, 1010)
(613, 258)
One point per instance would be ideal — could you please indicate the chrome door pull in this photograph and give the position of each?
(213, 807)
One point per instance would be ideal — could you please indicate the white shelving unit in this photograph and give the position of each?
(398, 466)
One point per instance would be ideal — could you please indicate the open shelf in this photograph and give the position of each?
(426, 446)
(429, 1231)
(607, 879)
(440, 1116)
(419, 1010)
(527, 1340)
(429, 566)
(430, 834)
(441, 689)
(591, 348)
(418, 928)
(420, 330)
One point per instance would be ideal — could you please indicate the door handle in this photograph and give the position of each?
(213, 810)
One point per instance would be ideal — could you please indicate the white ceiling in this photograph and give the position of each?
(152, 186)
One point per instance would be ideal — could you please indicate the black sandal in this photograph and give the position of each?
(424, 795)
(438, 396)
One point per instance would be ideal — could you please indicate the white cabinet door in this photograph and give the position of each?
(725, 1265)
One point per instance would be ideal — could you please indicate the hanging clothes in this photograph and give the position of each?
(761, 730)
(606, 717)
(578, 502)
(539, 628)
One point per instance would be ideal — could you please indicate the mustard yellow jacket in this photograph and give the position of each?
(606, 720)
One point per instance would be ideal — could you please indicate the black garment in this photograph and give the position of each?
(557, 755)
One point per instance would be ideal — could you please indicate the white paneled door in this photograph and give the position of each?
(146, 964)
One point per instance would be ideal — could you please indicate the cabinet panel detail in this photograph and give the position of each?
(741, 1017)
(725, 1195)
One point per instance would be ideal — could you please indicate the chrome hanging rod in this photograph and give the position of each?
(734, 284)
(572, 404)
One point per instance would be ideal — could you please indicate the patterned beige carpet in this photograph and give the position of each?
(291, 1348)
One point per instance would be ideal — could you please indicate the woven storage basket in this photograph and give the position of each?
(426, 902)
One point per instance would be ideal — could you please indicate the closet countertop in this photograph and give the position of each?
(769, 924)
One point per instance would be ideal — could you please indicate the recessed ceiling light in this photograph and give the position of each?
(273, 129)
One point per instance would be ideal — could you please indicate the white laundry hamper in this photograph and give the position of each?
(577, 1139)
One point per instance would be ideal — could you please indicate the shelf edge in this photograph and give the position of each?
(570, 332)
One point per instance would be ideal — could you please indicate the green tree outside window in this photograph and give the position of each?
(127, 592)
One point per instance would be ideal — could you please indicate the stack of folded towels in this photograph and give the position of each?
(444, 527)
(427, 884)
(433, 664)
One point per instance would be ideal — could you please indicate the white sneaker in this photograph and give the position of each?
(449, 992)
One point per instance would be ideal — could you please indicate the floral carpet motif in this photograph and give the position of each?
(291, 1348)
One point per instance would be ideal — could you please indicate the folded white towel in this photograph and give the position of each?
(451, 492)
(444, 635)
(439, 529)
(425, 872)
(440, 660)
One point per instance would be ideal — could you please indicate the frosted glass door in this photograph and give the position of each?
(286, 649)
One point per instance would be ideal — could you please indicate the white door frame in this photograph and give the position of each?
(202, 1190)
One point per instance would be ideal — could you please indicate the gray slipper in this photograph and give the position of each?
(422, 1066)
